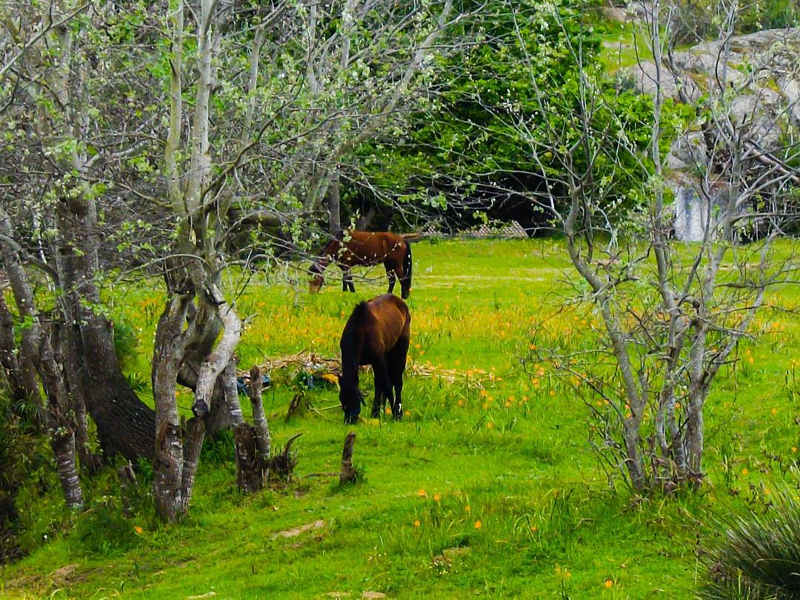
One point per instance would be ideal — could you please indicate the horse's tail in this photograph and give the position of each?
(408, 265)
(412, 237)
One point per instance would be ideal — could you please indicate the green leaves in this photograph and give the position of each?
(498, 103)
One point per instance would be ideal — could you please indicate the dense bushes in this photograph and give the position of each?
(24, 464)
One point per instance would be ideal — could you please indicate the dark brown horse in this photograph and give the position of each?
(377, 334)
(367, 248)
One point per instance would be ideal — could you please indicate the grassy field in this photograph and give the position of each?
(488, 487)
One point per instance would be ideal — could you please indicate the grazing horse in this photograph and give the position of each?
(377, 334)
(367, 248)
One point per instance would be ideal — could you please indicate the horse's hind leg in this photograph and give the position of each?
(390, 269)
(383, 387)
(347, 281)
(401, 275)
(397, 365)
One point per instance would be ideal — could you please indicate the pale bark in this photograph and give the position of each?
(192, 445)
(231, 393)
(259, 418)
(170, 343)
(191, 353)
(217, 360)
(175, 106)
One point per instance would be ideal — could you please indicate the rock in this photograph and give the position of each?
(64, 574)
(691, 213)
(790, 89)
(766, 40)
(645, 78)
(687, 151)
(295, 531)
(615, 13)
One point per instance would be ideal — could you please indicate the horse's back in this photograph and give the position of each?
(376, 326)
(391, 317)
(373, 247)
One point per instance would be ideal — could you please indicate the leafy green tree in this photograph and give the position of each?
(463, 143)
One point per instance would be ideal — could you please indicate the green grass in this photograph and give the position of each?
(506, 449)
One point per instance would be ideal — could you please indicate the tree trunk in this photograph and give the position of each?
(251, 469)
(72, 377)
(695, 433)
(59, 423)
(253, 442)
(8, 353)
(38, 346)
(334, 208)
(231, 392)
(62, 441)
(192, 445)
(169, 348)
(124, 424)
(633, 459)
(23, 296)
(219, 417)
(259, 418)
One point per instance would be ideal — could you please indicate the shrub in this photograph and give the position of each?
(760, 556)
(104, 529)
(23, 462)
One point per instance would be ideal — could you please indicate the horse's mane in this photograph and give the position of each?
(349, 342)
(324, 257)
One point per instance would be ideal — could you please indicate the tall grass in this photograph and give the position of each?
(759, 557)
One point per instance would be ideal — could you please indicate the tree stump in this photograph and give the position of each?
(253, 442)
(348, 473)
(297, 406)
(251, 469)
(259, 418)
